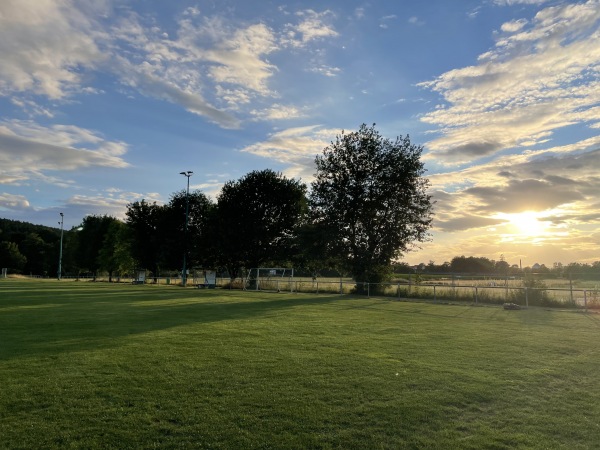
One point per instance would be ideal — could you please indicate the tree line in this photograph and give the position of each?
(367, 206)
(104, 244)
(501, 268)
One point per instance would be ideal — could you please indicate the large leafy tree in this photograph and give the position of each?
(11, 257)
(256, 220)
(115, 254)
(311, 240)
(92, 239)
(476, 264)
(38, 254)
(369, 197)
(71, 251)
(143, 220)
(175, 239)
(158, 237)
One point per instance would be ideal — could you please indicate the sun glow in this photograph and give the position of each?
(527, 224)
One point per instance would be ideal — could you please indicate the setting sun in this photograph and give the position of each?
(528, 223)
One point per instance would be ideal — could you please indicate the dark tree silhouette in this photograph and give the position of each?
(370, 197)
(256, 220)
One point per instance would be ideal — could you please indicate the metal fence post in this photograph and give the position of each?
(571, 286)
(476, 295)
(526, 297)
(434, 299)
(585, 299)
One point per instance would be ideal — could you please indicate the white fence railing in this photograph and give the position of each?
(429, 291)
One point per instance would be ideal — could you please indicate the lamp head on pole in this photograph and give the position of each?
(187, 173)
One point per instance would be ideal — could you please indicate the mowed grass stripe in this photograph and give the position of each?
(95, 365)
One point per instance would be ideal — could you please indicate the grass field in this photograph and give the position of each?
(95, 365)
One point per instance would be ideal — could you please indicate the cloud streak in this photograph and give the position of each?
(45, 47)
(541, 76)
(296, 147)
(29, 149)
(210, 66)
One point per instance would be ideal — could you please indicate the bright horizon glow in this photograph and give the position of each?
(527, 224)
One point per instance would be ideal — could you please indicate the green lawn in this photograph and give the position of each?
(94, 365)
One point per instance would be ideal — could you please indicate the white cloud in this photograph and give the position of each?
(383, 20)
(240, 60)
(156, 86)
(296, 147)
(210, 66)
(513, 26)
(11, 201)
(191, 11)
(416, 21)
(474, 12)
(519, 2)
(109, 205)
(207, 56)
(540, 78)
(278, 112)
(31, 107)
(326, 70)
(110, 201)
(28, 149)
(46, 45)
(313, 26)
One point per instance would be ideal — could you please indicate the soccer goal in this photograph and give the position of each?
(270, 279)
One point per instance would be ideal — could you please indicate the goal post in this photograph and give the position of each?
(270, 279)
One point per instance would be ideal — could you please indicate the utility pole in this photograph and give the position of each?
(62, 216)
(187, 174)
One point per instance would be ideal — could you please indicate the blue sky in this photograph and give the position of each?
(104, 102)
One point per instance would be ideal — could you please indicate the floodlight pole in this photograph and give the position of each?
(187, 174)
(62, 217)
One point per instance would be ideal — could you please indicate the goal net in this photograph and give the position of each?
(270, 279)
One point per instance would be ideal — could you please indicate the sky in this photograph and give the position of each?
(105, 102)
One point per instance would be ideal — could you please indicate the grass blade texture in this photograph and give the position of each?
(98, 365)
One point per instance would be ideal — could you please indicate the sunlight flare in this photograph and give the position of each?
(528, 223)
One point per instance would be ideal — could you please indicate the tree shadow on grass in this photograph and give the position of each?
(53, 322)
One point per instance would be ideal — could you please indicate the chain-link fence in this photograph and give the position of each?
(521, 291)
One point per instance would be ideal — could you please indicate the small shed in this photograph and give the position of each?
(139, 277)
(208, 279)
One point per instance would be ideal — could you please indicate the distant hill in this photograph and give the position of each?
(16, 231)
